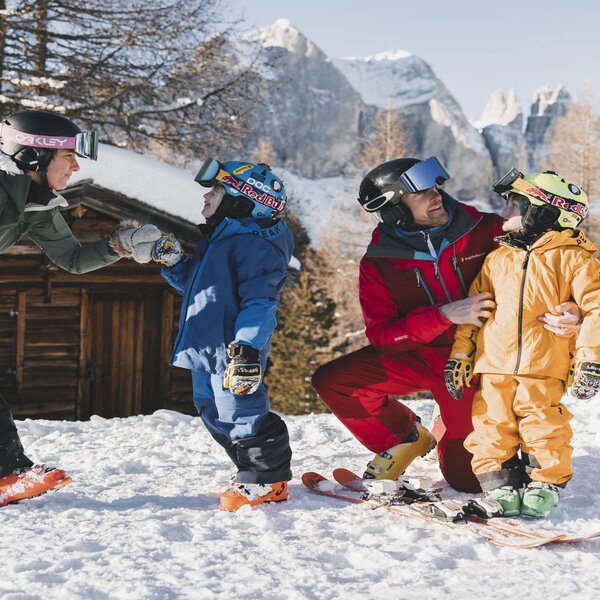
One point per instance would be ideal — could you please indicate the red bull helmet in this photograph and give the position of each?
(255, 189)
(559, 197)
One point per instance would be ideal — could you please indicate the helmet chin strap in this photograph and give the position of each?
(537, 220)
(397, 215)
(44, 178)
(44, 158)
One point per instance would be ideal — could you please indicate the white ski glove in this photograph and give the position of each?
(130, 240)
(167, 250)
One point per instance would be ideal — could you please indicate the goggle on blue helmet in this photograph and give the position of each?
(256, 182)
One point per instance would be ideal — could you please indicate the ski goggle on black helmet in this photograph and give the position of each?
(387, 183)
(84, 144)
(547, 189)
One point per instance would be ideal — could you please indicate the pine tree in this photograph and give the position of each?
(575, 153)
(386, 142)
(301, 342)
(306, 323)
(132, 70)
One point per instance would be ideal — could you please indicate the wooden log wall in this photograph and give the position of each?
(99, 343)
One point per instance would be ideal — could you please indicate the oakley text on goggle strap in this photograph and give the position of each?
(84, 144)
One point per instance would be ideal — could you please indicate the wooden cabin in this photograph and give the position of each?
(76, 345)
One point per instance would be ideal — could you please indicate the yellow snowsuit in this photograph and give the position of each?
(523, 366)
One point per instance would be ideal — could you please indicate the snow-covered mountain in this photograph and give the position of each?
(310, 113)
(317, 111)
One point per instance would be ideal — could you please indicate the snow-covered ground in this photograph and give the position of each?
(140, 521)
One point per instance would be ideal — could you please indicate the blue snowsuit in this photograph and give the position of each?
(230, 291)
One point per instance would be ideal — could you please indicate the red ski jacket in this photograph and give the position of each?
(401, 289)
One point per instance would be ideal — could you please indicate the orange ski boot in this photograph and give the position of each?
(252, 494)
(29, 482)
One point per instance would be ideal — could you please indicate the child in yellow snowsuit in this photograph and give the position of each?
(522, 366)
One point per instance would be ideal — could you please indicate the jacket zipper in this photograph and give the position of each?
(421, 281)
(520, 319)
(436, 266)
(459, 275)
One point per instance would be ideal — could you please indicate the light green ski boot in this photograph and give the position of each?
(509, 499)
(539, 499)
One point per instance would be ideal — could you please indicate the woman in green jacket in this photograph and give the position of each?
(38, 155)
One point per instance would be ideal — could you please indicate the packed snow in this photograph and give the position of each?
(140, 520)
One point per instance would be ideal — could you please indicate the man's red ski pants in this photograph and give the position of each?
(358, 389)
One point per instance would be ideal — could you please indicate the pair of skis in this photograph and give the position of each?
(427, 507)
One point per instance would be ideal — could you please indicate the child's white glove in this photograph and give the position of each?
(129, 239)
(243, 372)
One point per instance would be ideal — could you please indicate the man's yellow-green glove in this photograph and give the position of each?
(584, 380)
(457, 374)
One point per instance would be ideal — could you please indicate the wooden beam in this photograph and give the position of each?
(20, 341)
(85, 350)
(166, 342)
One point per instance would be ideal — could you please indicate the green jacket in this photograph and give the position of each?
(47, 228)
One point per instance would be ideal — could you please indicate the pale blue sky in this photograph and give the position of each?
(474, 47)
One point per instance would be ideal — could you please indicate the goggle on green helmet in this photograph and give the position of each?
(547, 188)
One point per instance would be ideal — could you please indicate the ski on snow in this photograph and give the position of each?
(425, 506)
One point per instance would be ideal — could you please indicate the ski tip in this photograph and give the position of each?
(311, 479)
(345, 473)
(349, 479)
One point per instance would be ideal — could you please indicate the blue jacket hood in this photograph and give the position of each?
(275, 231)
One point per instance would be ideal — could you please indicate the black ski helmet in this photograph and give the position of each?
(30, 138)
(382, 188)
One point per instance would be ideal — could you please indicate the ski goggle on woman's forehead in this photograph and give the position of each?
(84, 144)
(420, 177)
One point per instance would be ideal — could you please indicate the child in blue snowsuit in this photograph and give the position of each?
(230, 291)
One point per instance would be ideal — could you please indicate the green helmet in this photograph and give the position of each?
(550, 190)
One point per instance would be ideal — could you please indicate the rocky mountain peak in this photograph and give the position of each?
(282, 34)
(500, 110)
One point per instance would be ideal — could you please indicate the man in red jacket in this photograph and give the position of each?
(413, 288)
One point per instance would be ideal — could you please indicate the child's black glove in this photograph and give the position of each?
(585, 382)
(243, 372)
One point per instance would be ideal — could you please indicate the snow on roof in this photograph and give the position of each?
(146, 179)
